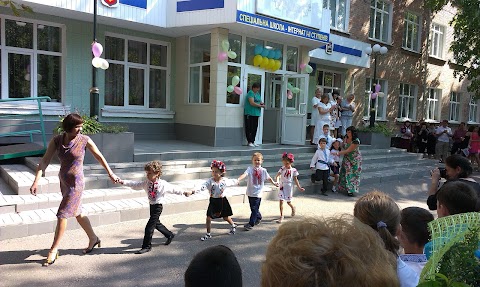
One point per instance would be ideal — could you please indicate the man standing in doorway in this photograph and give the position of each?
(314, 117)
(252, 110)
(443, 134)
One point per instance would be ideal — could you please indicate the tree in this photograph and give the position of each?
(466, 44)
(16, 8)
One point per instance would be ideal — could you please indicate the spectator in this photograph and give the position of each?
(214, 266)
(457, 197)
(431, 141)
(459, 138)
(457, 168)
(314, 117)
(348, 108)
(252, 110)
(407, 134)
(422, 138)
(324, 110)
(380, 212)
(413, 235)
(335, 251)
(443, 134)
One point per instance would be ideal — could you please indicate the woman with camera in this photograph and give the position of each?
(457, 168)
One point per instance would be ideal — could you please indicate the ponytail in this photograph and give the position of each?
(391, 243)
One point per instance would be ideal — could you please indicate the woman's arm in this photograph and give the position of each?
(351, 148)
(92, 147)
(252, 103)
(44, 162)
(323, 111)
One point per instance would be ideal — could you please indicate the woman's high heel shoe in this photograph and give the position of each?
(49, 262)
(88, 250)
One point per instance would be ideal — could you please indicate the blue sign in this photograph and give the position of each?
(135, 3)
(345, 50)
(195, 5)
(281, 26)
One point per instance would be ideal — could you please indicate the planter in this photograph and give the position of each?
(114, 147)
(376, 140)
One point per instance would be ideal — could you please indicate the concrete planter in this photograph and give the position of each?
(376, 140)
(114, 147)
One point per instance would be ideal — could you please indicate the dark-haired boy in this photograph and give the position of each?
(321, 161)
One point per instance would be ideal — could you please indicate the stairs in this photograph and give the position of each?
(22, 214)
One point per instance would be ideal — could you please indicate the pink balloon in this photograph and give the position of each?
(302, 66)
(289, 94)
(377, 88)
(373, 96)
(97, 49)
(222, 56)
(237, 90)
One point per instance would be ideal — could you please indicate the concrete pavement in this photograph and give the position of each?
(115, 264)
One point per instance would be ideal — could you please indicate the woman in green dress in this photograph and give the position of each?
(351, 164)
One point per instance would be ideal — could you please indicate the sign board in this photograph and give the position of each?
(329, 48)
(196, 5)
(304, 12)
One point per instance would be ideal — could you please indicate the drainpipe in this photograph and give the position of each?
(425, 65)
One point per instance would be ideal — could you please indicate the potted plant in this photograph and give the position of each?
(379, 136)
(114, 141)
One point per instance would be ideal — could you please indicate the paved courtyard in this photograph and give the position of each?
(115, 264)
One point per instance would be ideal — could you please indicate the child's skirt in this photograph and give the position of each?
(285, 193)
(335, 169)
(219, 207)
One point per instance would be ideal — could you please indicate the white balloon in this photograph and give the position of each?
(97, 62)
(27, 77)
(39, 77)
(105, 64)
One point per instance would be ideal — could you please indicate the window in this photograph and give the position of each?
(407, 101)
(454, 107)
(379, 20)
(437, 33)
(199, 75)
(380, 103)
(292, 59)
(473, 110)
(433, 104)
(411, 32)
(329, 81)
(338, 9)
(234, 67)
(137, 76)
(32, 53)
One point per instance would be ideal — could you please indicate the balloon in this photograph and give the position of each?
(27, 77)
(263, 64)
(225, 45)
(295, 90)
(278, 54)
(302, 66)
(265, 52)
(258, 50)
(381, 94)
(235, 80)
(39, 77)
(289, 86)
(308, 69)
(265, 61)
(271, 63)
(222, 56)
(278, 64)
(97, 62)
(271, 54)
(104, 64)
(257, 60)
(289, 94)
(377, 88)
(97, 49)
(230, 89)
(237, 90)
(373, 96)
(231, 54)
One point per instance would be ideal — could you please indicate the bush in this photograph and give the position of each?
(380, 128)
(92, 126)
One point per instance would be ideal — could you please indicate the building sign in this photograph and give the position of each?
(329, 48)
(304, 12)
(196, 5)
(281, 26)
(134, 3)
(110, 3)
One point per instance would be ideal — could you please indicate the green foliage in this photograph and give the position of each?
(15, 7)
(380, 128)
(466, 43)
(91, 126)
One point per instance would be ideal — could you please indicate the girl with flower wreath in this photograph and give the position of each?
(287, 174)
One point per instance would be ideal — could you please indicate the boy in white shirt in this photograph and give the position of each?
(326, 135)
(321, 162)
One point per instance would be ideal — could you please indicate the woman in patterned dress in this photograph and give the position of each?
(351, 164)
(70, 147)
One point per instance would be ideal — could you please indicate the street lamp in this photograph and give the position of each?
(375, 50)
(94, 91)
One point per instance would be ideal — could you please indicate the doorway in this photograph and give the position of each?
(255, 75)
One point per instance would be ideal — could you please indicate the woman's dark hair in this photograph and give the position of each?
(471, 128)
(71, 121)
(255, 85)
(415, 224)
(456, 160)
(354, 132)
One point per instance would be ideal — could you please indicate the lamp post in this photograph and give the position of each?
(375, 50)
(94, 91)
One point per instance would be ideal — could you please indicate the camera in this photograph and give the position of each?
(443, 172)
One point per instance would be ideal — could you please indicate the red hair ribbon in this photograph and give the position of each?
(218, 164)
(288, 156)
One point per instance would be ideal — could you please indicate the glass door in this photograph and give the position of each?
(255, 75)
(294, 109)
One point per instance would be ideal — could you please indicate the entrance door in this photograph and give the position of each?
(254, 75)
(294, 109)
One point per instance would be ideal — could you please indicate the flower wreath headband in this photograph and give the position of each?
(218, 164)
(289, 156)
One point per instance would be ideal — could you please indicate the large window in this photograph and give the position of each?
(433, 104)
(407, 101)
(454, 114)
(32, 53)
(411, 32)
(339, 13)
(234, 67)
(473, 110)
(199, 75)
(437, 34)
(137, 76)
(380, 103)
(329, 81)
(379, 21)
(292, 59)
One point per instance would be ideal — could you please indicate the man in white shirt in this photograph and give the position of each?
(314, 117)
(443, 134)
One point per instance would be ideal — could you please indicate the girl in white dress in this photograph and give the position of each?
(288, 175)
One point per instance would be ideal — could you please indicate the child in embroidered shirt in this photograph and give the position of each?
(256, 178)
(287, 175)
(336, 158)
(156, 189)
(218, 207)
(321, 162)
